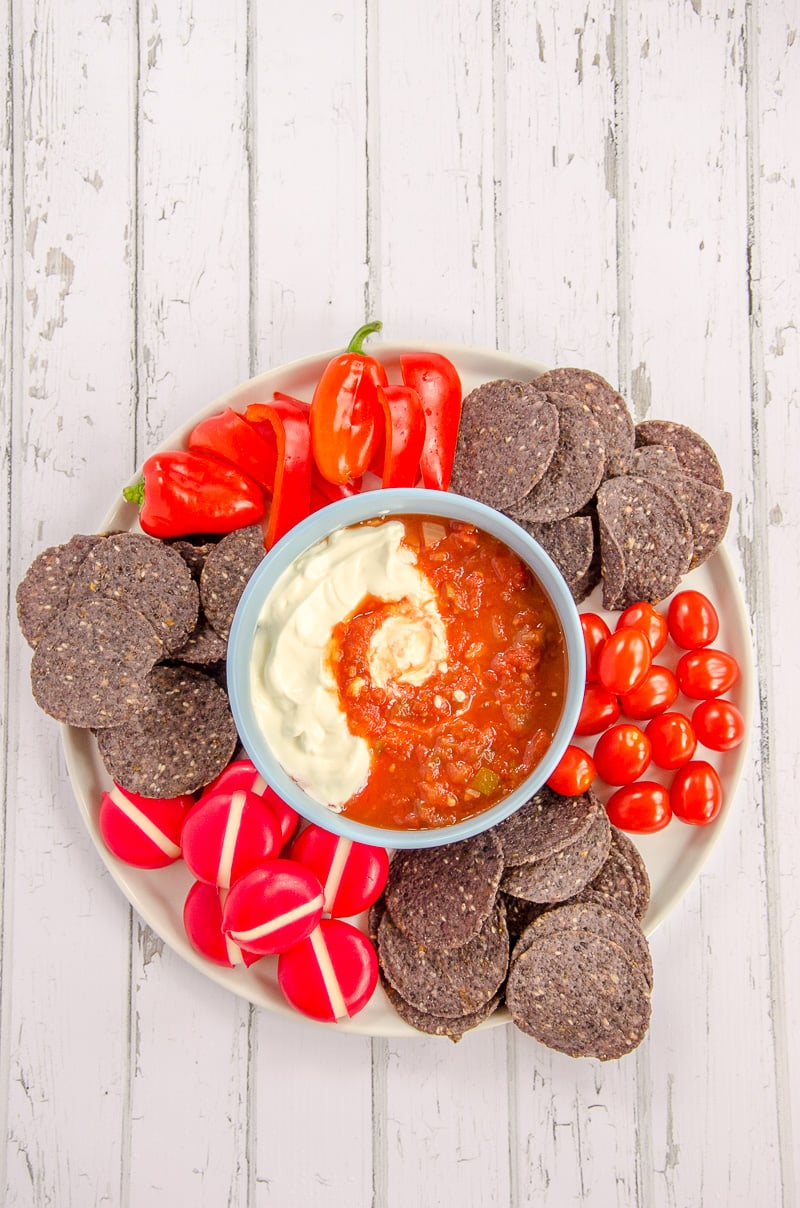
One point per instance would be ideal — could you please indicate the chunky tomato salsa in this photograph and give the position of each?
(458, 697)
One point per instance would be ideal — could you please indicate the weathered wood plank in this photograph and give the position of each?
(431, 171)
(309, 177)
(771, 558)
(446, 1121)
(188, 1131)
(712, 1118)
(64, 1010)
(558, 182)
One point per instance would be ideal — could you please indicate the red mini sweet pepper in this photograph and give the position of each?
(345, 414)
(397, 459)
(436, 381)
(182, 492)
(229, 436)
(285, 422)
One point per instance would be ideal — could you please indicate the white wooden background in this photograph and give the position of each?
(193, 191)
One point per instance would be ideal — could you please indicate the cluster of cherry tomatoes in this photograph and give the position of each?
(628, 703)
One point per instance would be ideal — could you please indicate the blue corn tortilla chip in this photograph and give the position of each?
(146, 574)
(91, 666)
(607, 406)
(442, 896)
(446, 982)
(179, 740)
(645, 536)
(506, 440)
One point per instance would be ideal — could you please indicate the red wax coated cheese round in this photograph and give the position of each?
(243, 774)
(330, 975)
(273, 907)
(143, 831)
(352, 874)
(227, 834)
(202, 920)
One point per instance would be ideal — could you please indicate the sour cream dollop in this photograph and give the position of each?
(295, 695)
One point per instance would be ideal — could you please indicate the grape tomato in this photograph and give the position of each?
(672, 740)
(696, 793)
(623, 660)
(692, 620)
(622, 754)
(652, 624)
(643, 807)
(718, 724)
(657, 693)
(573, 773)
(595, 632)
(600, 709)
(706, 673)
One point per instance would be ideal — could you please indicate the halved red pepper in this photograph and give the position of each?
(398, 455)
(229, 436)
(345, 413)
(183, 491)
(436, 380)
(285, 421)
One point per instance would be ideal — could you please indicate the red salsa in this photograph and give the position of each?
(452, 746)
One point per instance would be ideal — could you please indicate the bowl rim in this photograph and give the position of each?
(384, 503)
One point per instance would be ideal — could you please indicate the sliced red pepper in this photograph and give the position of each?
(436, 380)
(184, 492)
(322, 491)
(345, 413)
(229, 436)
(403, 438)
(291, 489)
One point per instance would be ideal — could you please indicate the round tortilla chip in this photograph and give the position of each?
(576, 468)
(580, 994)
(519, 914)
(694, 453)
(194, 555)
(612, 567)
(708, 508)
(43, 592)
(203, 647)
(645, 524)
(608, 407)
(545, 824)
(448, 982)
(564, 873)
(228, 568)
(652, 460)
(614, 924)
(507, 437)
(623, 877)
(571, 545)
(439, 1025)
(146, 574)
(92, 663)
(442, 896)
(179, 740)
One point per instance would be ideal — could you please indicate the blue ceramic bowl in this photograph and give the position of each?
(381, 504)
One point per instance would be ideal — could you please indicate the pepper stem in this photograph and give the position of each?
(135, 494)
(356, 345)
